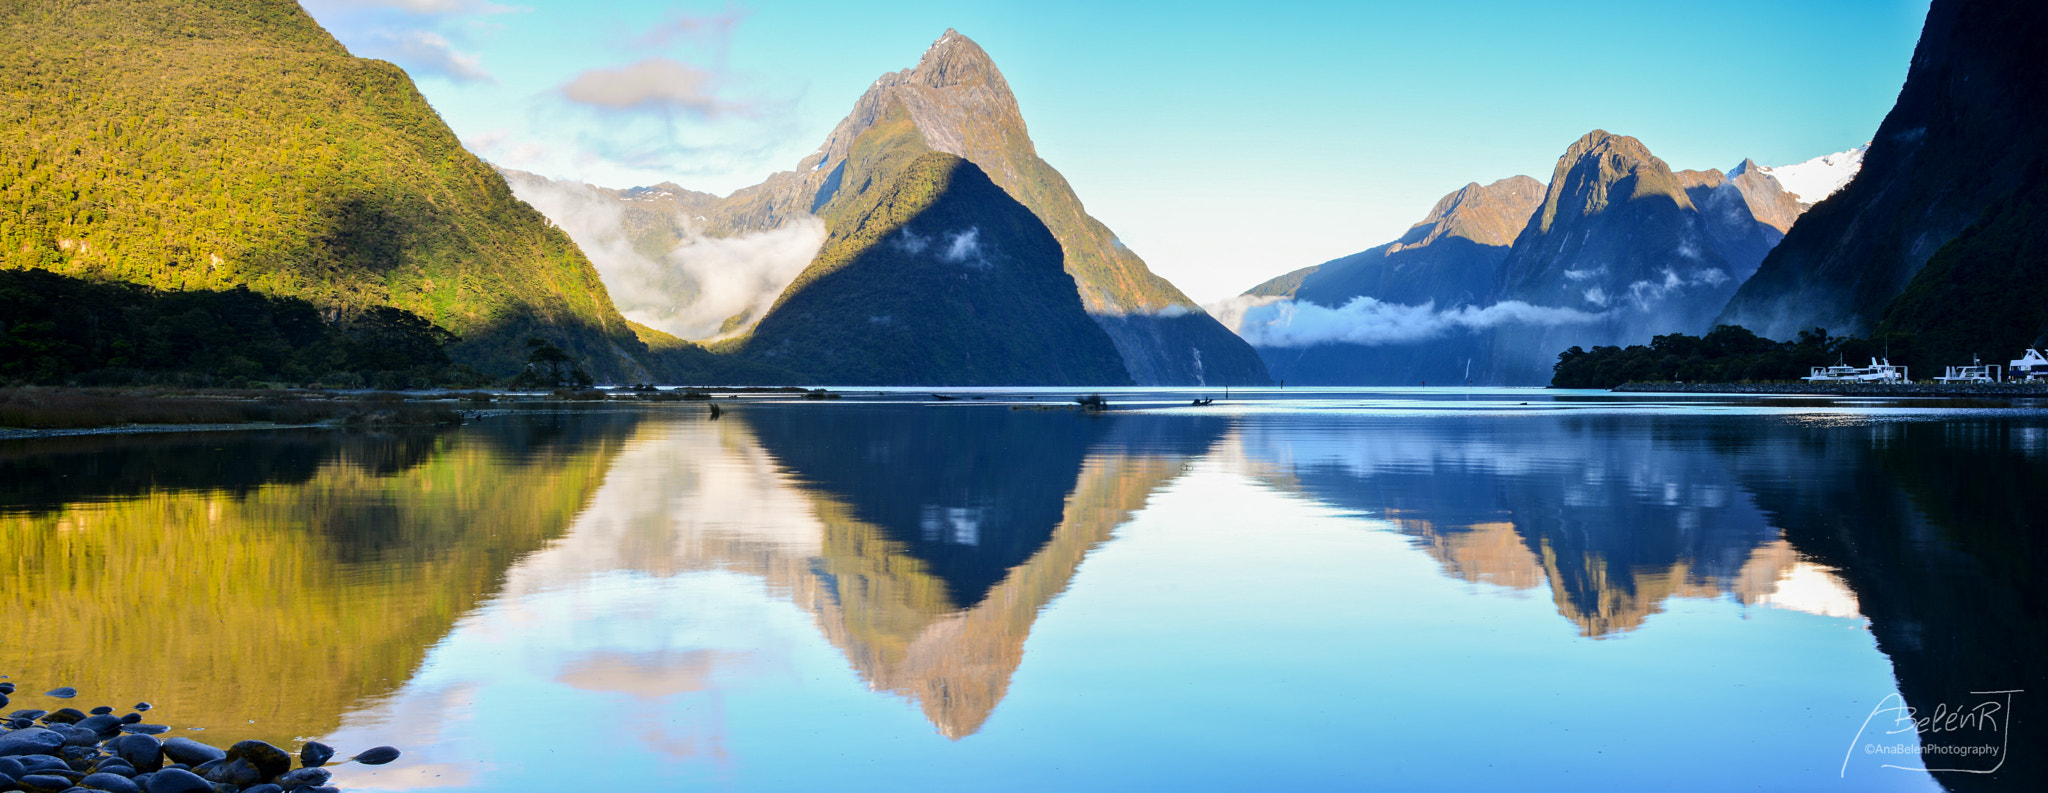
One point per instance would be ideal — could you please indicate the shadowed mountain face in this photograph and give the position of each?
(938, 278)
(1447, 260)
(1622, 236)
(259, 153)
(957, 102)
(1964, 139)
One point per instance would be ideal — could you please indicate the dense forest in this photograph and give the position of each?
(1727, 354)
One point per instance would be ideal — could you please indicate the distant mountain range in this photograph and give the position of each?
(954, 102)
(1498, 279)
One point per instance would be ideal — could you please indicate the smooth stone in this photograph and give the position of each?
(115, 765)
(3, 700)
(20, 724)
(43, 783)
(103, 724)
(315, 754)
(111, 783)
(141, 751)
(31, 763)
(207, 767)
(64, 716)
(28, 713)
(65, 692)
(238, 772)
(305, 777)
(144, 729)
(12, 767)
(191, 752)
(142, 706)
(74, 736)
(101, 710)
(264, 788)
(132, 718)
(172, 780)
(268, 760)
(6, 688)
(34, 740)
(6, 781)
(376, 755)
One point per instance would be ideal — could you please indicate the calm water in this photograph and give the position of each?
(1303, 590)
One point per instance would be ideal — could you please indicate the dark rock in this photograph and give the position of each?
(143, 779)
(80, 757)
(264, 788)
(141, 751)
(110, 783)
(6, 688)
(235, 771)
(115, 765)
(76, 736)
(28, 713)
(3, 700)
(131, 718)
(145, 729)
(207, 767)
(64, 716)
(101, 710)
(66, 773)
(33, 763)
(103, 724)
(66, 692)
(269, 760)
(34, 740)
(43, 783)
(20, 724)
(377, 755)
(172, 780)
(7, 781)
(315, 754)
(143, 706)
(12, 767)
(305, 777)
(191, 752)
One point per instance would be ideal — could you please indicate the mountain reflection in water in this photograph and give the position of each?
(714, 592)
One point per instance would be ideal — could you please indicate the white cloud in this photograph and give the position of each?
(1287, 323)
(661, 84)
(965, 248)
(691, 290)
(431, 53)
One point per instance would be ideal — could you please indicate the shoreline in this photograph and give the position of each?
(1995, 390)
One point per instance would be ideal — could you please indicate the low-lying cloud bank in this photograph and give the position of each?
(692, 289)
(1279, 322)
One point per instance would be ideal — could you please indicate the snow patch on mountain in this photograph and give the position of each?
(1819, 177)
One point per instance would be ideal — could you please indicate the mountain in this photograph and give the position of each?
(937, 278)
(956, 102)
(1963, 146)
(210, 144)
(1499, 279)
(1820, 177)
(1447, 260)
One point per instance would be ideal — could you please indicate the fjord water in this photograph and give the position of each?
(1424, 589)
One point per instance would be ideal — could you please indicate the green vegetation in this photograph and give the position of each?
(204, 145)
(1983, 294)
(72, 408)
(938, 278)
(55, 330)
(1727, 354)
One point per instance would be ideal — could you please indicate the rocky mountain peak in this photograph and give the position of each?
(1603, 168)
(955, 60)
(1489, 215)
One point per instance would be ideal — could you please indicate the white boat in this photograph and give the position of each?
(2032, 366)
(1874, 373)
(1976, 372)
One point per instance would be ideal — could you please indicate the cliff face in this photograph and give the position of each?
(209, 144)
(1967, 133)
(956, 102)
(939, 278)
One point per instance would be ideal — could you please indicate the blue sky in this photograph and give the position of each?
(1224, 142)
